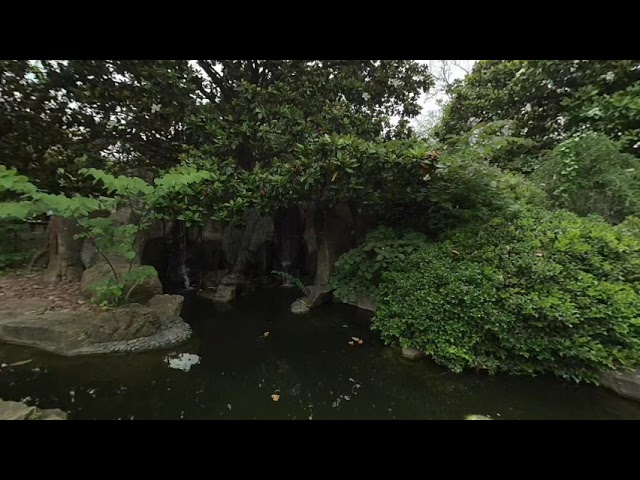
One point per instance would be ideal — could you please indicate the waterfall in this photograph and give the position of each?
(286, 267)
(183, 269)
(289, 228)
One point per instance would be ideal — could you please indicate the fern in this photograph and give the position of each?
(294, 280)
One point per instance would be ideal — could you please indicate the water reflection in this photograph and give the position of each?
(230, 369)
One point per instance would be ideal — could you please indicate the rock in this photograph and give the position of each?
(15, 411)
(233, 279)
(365, 303)
(312, 227)
(125, 323)
(168, 306)
(213, 279)
(300, 306)
(222, 294)
(411, 353)
(318, 294)
(246, 247)
(477, 417)
(52, 414)
(21, 411)
(338, 237)
(131, 327)
(141, 293)
(626, 384)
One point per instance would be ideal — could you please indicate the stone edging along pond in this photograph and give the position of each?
(129, 328)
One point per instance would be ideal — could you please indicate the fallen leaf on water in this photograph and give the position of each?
(265, 334)
(360, 342)
(275, 397)
(355, 339)
(22, 362)
(350, 343)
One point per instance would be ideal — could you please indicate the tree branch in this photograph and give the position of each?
(215, 77)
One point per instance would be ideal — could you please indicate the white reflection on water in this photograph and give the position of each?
(182, 361)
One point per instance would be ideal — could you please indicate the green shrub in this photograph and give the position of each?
(587, 174)
(529, 293)
(466, 188)
(359, 271)
(631, 226)
(12, 251)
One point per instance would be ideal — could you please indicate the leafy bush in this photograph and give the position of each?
(631, 226)
(359, 271)
(12, 253)
(528, 293)
(588, 174)
(466, 188)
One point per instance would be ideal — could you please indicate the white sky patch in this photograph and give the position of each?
(433, 101)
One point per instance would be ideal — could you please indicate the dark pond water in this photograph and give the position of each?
(306, 360)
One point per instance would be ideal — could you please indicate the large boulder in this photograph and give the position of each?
(412, 353)
(364, 302)
(300, 306)
(21, 411)
(247, 247)
(167, 306)
(214, 278)
(318, 295)
(311, 236)
(233, 279)
(129, 328)
(141, 293)
(125, 323)
(626, 384)
(338, 237)
(221, 294)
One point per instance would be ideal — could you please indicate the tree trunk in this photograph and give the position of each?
(65, 263)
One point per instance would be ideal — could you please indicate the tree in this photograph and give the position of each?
(61, 116)
(258, 110)
(445, 74)
(548, 100)
(81, 113)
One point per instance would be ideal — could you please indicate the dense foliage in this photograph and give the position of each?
(114, 241)
(12, 251)
(536, 292)
(359, 271)
(588, 174)
(548, 100)
(121, 115)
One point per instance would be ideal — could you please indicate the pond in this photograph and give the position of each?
(231, 370)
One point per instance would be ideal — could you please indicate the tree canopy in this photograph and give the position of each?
(548, 100)
(125, 114)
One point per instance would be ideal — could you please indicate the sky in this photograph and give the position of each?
(429, 101)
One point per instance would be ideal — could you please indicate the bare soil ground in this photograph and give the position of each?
(23, 291)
